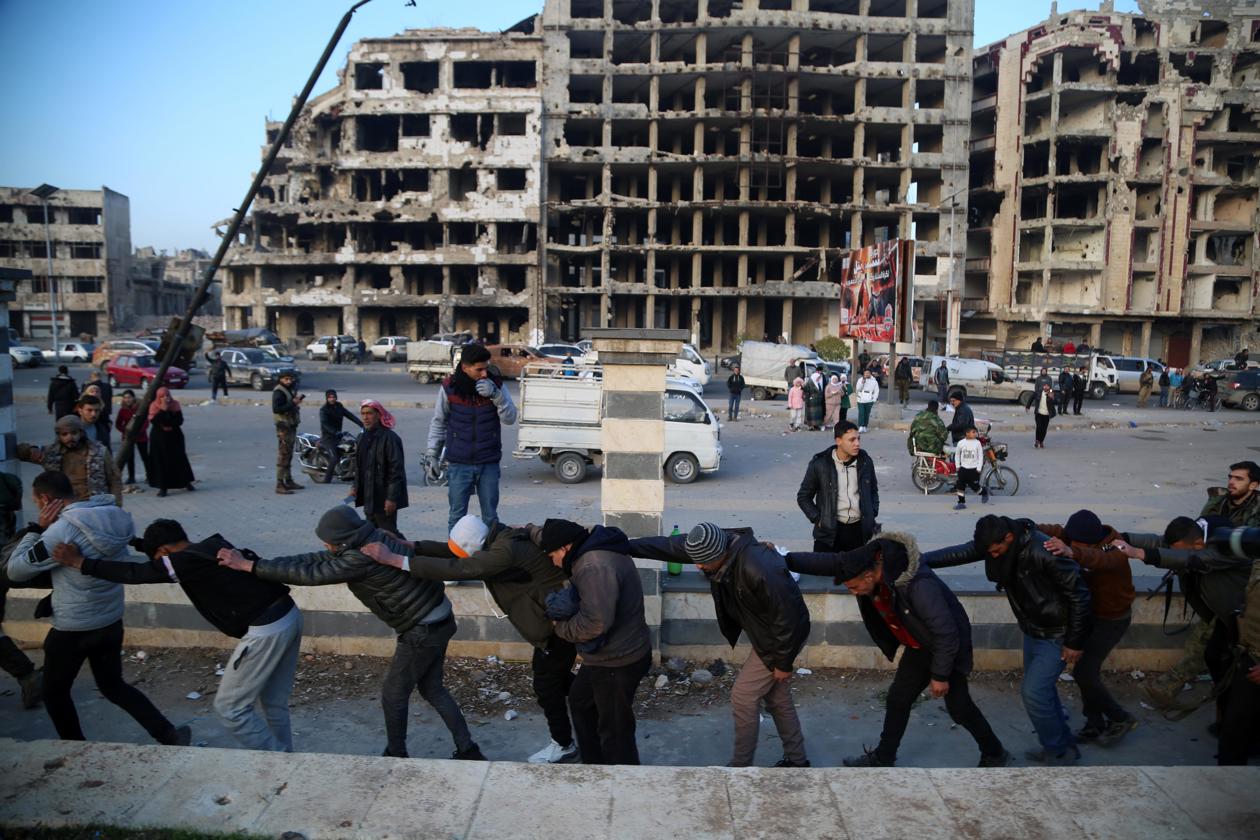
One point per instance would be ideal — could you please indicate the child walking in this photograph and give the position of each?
(969, 458)
(796, 405)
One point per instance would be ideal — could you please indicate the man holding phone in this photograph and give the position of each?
(286, 410)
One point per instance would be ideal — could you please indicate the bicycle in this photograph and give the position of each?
(931, 472)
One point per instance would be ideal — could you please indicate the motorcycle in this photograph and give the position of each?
(434, 469)
(931, 472)
(314, 458)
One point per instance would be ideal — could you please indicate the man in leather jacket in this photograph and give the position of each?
(753, 593)
(840, 494)
(1051, 602)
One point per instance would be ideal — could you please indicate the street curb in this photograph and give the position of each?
(326, 368)
(261, 400)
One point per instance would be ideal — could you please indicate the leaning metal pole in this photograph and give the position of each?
(199, 297)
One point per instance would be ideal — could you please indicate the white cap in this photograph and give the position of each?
(468, 535)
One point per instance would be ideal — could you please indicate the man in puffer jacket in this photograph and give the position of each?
(86, 612)
(519, 576)
(417, 610)
(904, 604)
(753, 594)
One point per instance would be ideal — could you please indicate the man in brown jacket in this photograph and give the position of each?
(1106, 570)
(85, 462)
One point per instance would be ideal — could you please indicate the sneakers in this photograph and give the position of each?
(787, 762)
(281, 490)
(868, 758)
(960, 506)
(862, 429)
(181, 736)
(984, 496)
(472, 753)
(1003, 760)
(553, 753)
(32, 689)
(1115, 731)
(1066, 758)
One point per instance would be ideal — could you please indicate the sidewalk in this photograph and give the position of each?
(66, 783)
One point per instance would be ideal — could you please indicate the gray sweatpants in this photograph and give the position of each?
(260, 670)
(756, 685)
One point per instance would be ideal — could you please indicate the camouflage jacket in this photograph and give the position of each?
(927, 434)
(1242, 516)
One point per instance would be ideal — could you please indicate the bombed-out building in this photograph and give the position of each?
(406, 201)
(1115, 169)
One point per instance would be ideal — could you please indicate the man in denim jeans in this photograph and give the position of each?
(472, 407)
(1051, 602)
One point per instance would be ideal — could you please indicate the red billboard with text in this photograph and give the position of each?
(875, 292)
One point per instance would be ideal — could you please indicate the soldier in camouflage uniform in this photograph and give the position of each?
(927, 432)
(1240, 723)
(286, 410)
(1240, 504)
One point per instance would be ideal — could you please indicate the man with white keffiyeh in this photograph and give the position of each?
(380, 482)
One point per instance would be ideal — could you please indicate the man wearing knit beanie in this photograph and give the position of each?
(753, 594)
(519, 576)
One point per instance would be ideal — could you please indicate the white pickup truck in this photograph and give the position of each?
(430, 360)
(561, 409)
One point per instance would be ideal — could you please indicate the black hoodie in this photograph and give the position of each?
(611, 600)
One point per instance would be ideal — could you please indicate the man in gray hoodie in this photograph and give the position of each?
(87, 612)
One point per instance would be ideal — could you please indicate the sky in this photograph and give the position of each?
(164, 100)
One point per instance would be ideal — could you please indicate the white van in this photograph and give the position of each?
(689, 364)
(976, 378)
(560, 416)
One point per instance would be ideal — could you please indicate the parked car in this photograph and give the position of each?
(71, 351)
(456, 338)
(558, 350)
(510, 359)
(390, 348)
(131, 370)
(255, 367)
(1129, 369)
(107, 350)
(318, 349)
(24, 355)
(1242, 389)
(1221, 367)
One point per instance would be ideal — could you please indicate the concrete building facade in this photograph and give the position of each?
(163, 284)
(90, 232)
(1115, 169)
(710, 163)
(406, 201)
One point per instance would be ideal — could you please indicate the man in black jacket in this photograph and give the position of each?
(753, 593)
(331, 416)
(259, 613)
(417, 610)
(218, 376)
(1051, 602)
(1066, 380)
(62, 392)
(839, 493)
(734, 385)
(1080, 384)
(963, 417)
(519, 576)
(904, 603)
(286, 412)
(380, 480)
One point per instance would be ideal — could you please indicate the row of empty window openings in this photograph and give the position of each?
(765, 93)
(75, 285)
(18, 249)
(381, 133)
(34, 215)
(424, 76)
(414, 280)
(833, 50)
(688, 11)
(501, 237)
(384, 184)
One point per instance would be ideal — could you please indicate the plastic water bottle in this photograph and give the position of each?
(674, 568)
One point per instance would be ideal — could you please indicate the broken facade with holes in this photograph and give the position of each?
(407, 199)
(1115, 170)
(710, 163)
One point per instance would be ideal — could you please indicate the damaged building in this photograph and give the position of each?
(406, 201)
(1115, 167)
(711, 162)
(163, 285)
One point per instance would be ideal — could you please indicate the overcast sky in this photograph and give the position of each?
(164, 100)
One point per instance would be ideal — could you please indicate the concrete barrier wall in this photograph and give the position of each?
(682, 620)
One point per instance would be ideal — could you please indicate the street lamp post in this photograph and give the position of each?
(43, 192)
(953, 269)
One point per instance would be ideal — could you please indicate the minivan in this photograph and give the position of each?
(1129, 368)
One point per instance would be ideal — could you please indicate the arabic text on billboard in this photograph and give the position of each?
(868, 292)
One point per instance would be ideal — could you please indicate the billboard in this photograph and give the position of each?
(876, 292)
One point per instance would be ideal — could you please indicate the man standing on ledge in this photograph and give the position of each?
(840, 494)
(472, 407)
(286, 410)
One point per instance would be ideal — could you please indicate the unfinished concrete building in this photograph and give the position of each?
(407, 199)
(90, 232)
(711, 162)
(1115, 167)
(163, 284)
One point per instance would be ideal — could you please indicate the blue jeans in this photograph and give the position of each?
(1163, 396)
(1040, 689)
(464, 479)
(732, 406)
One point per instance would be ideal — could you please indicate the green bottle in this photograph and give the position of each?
(674, 568)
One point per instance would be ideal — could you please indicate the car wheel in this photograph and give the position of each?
(1251, 402)
(423, 378)
(310, 357)
(758, 393)
(570, 468)
(256, 382)
(682, 468)
(80, 359)
(1025, 398)
(1098, 391)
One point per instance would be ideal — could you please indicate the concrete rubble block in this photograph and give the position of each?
(784, 803)
(1224, 802)
(317, 795)
(688, 802)
(893, 804)
(214, 790)
(1102, 798)
(425, 798)
(564, 795)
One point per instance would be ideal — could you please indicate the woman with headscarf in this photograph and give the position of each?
(380, 480)
(833, 394)
(168, 460)
(815, 404)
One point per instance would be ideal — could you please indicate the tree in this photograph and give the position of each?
(832, 349)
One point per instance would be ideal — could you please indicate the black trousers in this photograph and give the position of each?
(602, 703)
(1099, 706)
(141, 446)
(1078, 397)
(329, 447)
(1064, 397)
(847, 538)
(12, 660)
(553, 677)
(1043, 423)
(64, 654)
(384, 521)
(966, 479)
(215, 386)
(914, 673)
(1240, 717)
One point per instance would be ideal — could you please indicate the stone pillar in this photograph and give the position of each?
(1144, 347)
(632, 492)
(1095, 334)
(1196, 343)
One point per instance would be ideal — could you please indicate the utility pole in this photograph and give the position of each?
(43, 192)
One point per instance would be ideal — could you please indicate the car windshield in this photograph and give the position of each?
(145, 361)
